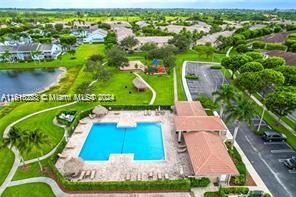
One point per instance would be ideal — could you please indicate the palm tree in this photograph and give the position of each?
(35, 140)
(224, 96)
(13, 137)
(36, 54)
(243, 110)
(6, 55)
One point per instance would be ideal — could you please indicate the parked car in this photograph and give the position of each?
(273, 136)
(255, 193)
(291, 162)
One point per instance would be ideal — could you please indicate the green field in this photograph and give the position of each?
(29, 190)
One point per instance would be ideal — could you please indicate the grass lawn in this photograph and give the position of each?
(29, 190)
(164, 87)
(82, 53)
(7, 159)
(122, 88)
(31, 170)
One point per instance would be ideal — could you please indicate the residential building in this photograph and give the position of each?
(26, 52)
(159, 40)
(142, 24)
(95, 36)
(123, 32)
(204, 137)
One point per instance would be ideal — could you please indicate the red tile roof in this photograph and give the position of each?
(208, 155)
(199, 123)
(190, 108)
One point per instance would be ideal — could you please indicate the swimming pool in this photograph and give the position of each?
(144, 142)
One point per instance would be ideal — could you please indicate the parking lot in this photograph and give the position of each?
(266, 157)
(209, 80)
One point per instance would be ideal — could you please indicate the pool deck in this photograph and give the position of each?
(119, 166)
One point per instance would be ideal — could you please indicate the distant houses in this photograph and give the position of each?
(95, 36)
(35, 51)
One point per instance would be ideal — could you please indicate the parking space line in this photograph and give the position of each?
(282, 151)
(292, 171)
(269, 143)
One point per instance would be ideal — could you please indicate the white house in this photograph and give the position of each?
(27, 51)
(95, 36)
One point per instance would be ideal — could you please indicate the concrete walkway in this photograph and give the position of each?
(152, 90)
(228, 51)
(17, 157)
(175, 86)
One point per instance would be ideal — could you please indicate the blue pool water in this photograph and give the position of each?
(144, 141)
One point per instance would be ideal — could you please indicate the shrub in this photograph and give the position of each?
(266, 195)
(216, 67)
(207, 102)
(233, 190)
(240, 179)
(258, 45)
(191, 77)
(275, 46)
(203, 182)
(175, 185)
(211, 194)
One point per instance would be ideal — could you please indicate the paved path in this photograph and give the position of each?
(152, 90)
(59, 193)
(17, 157)
(175, 86)
(228, 51)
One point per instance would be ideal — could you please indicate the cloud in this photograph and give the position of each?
(148, 3)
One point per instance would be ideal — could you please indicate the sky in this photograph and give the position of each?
(245, 4)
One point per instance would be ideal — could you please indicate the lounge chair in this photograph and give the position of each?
(162, 112)
(87, 174)
(81, 175)
(159, 176)
(157, 112)
(181, 171)
(182, 146)
(139, 177)
(166, 176)
(91, 116)
(128, 177)
(70, 147)
(149, 113)
(62, 156)
(93, 173)
(82, 122)
(182, 150)
(145, 113)
(78, 131)
(150, 175)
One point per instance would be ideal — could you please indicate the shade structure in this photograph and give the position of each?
(139, 84)
(100, 110)
(73, 166)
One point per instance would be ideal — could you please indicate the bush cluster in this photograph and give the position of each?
(203, 182)
(223, 192)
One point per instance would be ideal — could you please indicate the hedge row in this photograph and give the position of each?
(224, 192)
(275, 46)
(241, 167)
(203, 182)
(174, 185)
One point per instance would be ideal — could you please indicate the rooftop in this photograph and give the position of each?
(208, 154)
(199, 123)
(190, 108)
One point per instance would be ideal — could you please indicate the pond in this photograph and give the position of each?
(28, 81)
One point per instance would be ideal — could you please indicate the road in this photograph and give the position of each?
(266, 158)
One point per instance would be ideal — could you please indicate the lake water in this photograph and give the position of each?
(27, 81)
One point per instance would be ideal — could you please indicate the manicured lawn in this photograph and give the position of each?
(82, 53)
(29, 190)
(6, 161)
(31, 170)
(164, 87)
(120, 85)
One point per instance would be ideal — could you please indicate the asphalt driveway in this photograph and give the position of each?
(266, 158)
